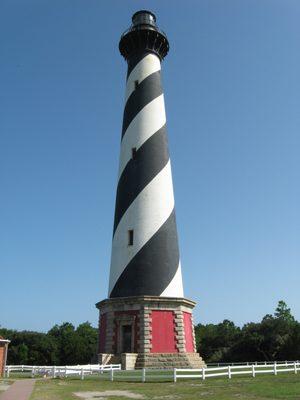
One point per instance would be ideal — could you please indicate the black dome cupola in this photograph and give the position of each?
(143, 36)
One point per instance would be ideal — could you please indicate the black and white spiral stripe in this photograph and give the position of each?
(145, 201)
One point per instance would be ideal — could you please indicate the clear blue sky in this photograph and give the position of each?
(232, 91)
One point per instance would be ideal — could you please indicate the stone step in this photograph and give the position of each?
(169, 360)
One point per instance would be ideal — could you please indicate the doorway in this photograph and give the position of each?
(126, 338)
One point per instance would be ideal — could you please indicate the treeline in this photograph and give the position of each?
(62, 345)
(276, 337)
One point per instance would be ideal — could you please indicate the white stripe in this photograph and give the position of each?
(148, 121)
(147, 66)
(146, 214)
(175, 287)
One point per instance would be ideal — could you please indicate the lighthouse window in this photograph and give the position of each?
(130, 237)
(133, 153)
(136, 84)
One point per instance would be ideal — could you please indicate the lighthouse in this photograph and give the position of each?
(145, 321)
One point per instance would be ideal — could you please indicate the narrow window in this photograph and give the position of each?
(133, 153)
(130, 237)
(136, 84)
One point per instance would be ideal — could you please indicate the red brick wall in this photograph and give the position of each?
(163, 332)
(188, 332)
(2, 356)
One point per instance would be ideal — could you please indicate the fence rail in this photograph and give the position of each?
(230, 370)
(62, 371)
(221, 364)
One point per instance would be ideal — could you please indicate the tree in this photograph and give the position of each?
(268, 340)
(283, 312)
(65, 338)
(291, 349)
(275, 337)
(28, 347)
(214, 341)
(23, 353)
(88, 338)
(75, 346)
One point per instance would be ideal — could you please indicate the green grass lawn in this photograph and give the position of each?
(285, 386)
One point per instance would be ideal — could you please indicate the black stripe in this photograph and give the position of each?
(149, 160)
(132, 63)
(147, 90)
(153, 267)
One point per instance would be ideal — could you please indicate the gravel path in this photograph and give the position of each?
(19, 390)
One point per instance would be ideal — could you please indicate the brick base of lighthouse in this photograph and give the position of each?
(147, 332)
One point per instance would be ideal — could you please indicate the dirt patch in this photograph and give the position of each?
(108, 393)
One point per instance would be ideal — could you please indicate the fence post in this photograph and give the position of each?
(253, 371)
(229, 371)
(144, 375)
(203, 374)
(7, 372)
(32, 372)
(275, 368)
(65, 371)
(174, 375)
(111, 374)
(295, 367)
(82, 374)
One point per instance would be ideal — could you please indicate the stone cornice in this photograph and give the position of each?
(147, 299)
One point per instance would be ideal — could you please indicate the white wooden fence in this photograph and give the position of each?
(224, 364)
(230, 370)
(65, 371)
(114, 372)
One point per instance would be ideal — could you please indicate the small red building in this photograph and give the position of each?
(3, 354)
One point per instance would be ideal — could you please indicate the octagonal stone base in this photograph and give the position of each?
(148, 332)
